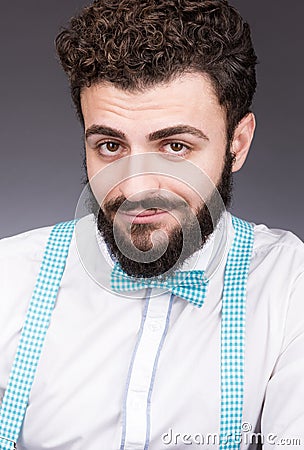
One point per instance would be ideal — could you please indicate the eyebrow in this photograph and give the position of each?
(179, 129)
(107, 131)
(154, 136)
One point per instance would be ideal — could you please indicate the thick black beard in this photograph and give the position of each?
(176, 252)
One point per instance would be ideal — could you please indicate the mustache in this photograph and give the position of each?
(167, 203)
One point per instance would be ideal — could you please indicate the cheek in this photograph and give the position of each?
(202, 183)
(210, 167)
(113, 194)
(103, 194)
(184, 191)
(93, 162)
(101, 181)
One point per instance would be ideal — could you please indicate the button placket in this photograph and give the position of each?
(141, 376)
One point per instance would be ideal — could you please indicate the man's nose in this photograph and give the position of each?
(135, 187)
(139, 174)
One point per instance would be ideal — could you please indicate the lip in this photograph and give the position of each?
(147, 216)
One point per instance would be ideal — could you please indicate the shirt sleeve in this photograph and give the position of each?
(282, 421)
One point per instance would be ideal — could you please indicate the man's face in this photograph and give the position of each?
(181, 118)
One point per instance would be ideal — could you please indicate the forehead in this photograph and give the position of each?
(188, 97)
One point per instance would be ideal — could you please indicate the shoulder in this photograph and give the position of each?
(278, 251)
(20, 260)
(29, 245)
(32, 243)
(273, 240)
(267, 238)
(25, 251)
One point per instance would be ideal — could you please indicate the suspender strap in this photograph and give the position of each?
(233, 335)
(33, 334)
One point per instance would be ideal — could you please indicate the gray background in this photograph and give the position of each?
(41, 140)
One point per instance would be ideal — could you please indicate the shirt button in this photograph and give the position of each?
(136, 404)
(154, 326)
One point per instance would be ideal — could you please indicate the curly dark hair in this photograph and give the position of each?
(136, 44)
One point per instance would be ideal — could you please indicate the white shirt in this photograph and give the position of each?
(157, 356)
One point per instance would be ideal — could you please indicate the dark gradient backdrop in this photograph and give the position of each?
(41, 141)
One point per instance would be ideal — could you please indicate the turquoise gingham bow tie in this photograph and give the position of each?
(191, 286)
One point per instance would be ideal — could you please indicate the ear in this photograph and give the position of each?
(242, 139)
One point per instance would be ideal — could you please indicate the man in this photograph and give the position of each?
(158, 320)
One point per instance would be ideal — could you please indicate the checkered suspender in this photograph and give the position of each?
(233, 335)
(33, 334)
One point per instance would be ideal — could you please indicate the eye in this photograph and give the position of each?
(108, 148)
(176, 148)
